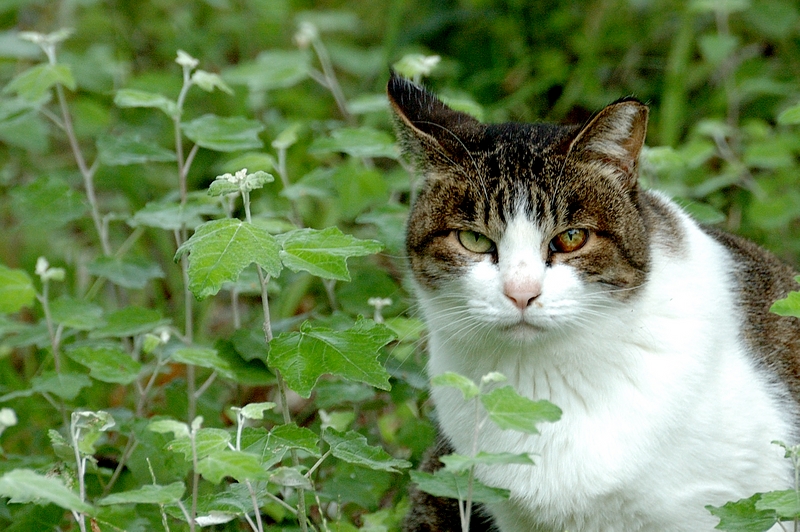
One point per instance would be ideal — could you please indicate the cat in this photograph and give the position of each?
(535, 253)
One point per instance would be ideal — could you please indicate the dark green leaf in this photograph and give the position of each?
(220, 249)
(272, 69)
(512, 411)
(456, 486)
(742, 516)
(132, 272)
(357, 142)
(234, 133)
(324, 253)
(352, 447)
(147, 494)
(173, 216)
(64, 385)
(129, 321)
(25, 485)
(47, 202)
(203, 357)
(785, 503)
(106, 363)
(131, 149)
(207, 441)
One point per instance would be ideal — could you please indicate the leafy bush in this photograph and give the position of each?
(202, 301)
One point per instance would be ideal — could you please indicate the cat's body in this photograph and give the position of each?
(535, 254)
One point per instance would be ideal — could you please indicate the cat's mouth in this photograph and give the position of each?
(522, 329)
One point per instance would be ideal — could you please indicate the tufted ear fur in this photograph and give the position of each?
(613, 139)
(425, 125)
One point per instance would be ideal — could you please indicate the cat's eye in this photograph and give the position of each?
(569, 240)
(475, 242)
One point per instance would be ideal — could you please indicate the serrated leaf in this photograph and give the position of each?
(203, 357)
(217, 133)
(132, 273)
(509, 410)
(304, 356)
(789, 306)
(77, 314)
(138, 98)
(131, 149)
(453, 380)
(173, 216)
(207, 441)
(785, 503)
(64, 385)
(129, 321)
(458, 462)
(353, 448)
(456, 486)
(357, 142)
(47, 202)
(273, 445)
(220, 249)
(107, 364)
(25, 485)
(742, 516)
(239, 465)
(16, 290)
(790, 116)
(34, 83)
(148, 494)
(324, 253)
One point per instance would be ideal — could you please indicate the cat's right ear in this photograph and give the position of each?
(425, 125)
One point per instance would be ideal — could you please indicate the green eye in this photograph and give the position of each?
(475, 242)
(569, 240)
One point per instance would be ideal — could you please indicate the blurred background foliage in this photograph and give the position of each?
(717, 75)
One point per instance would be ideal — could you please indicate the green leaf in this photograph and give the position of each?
(456, 486)
(147, 494)
(785, 503)
(272, 446)
(742, 516)
(131, 149)
(458, 462)
(134, 272)
(790, 116)
(77, 314)
(353, 448)
(138, 98)
(509, 410)
(304, 356)
(788, 306)
(16, 290)
(27, 131)
(47, 202)
(273, 69)
(203, 357)
(207, 441)
(239, 465)
(173, 216)
(357, 142)
(106, 363)
(64, 385)
(324, 253)
(25, 485)
(224, 134)
(208, 82)
(162, 426)
(468, 388)
(256, 410)
(290, 478)
(129, 321)
(220, 249)
(34, 83)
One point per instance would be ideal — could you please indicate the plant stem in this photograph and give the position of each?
(81, 464)
(330, 79)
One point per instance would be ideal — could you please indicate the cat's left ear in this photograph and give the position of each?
(614, 138)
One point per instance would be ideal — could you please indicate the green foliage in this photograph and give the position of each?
(124, 161)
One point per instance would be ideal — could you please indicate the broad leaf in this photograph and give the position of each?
(789, 306)
(220, 249)
(48, 203)
(208, 81)
(239, 465)
(790, 115)
(129, 321)
(162, 426)
(126, 272)
(352, 447)
(16, 290)
(456, 486)
(64, 385)
(147, 494)
(458, 462)
(173, 216)
(77, 314)
(357, 142)
(256, 410)
(106, 363)
(25, 485)
(224, 134)
(131, 149)
(742, 516)
(203, 357)
(271, 446)
(304, 356)
(512, 411)
(468, 388)
(290, 478)
(34, 83)
(207, 441)
(272, 69)
(324, 253)
(138, 98)
(785, 503)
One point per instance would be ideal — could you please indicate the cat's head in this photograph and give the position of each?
(522, 227)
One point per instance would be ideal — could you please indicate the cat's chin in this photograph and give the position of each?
(522, 330)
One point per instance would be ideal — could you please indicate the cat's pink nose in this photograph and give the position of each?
(522, 294)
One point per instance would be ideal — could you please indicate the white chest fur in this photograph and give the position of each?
(664, 410)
